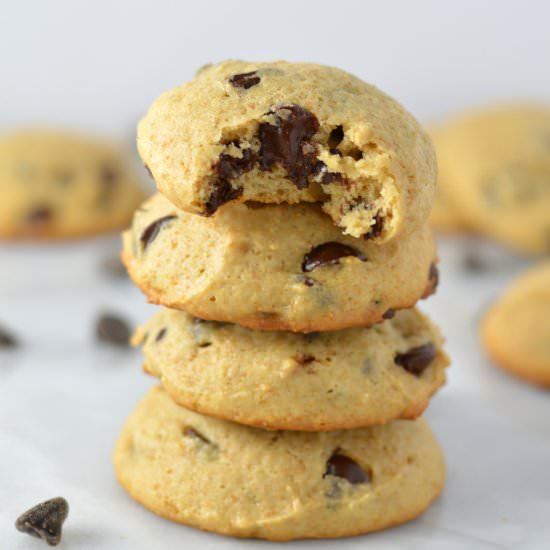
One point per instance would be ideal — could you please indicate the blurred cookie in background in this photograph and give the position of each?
(516, 329)
(59, 185)
(495, 174)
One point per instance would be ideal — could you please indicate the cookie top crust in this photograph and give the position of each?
(291, 132)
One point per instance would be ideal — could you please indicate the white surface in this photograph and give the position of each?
(98, 65)
(63, 399)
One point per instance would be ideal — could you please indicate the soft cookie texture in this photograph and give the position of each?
(242, 481)
(495, 167)
(57, 185)
(283, 380)
(516, 329)
(290, 132)
(274, 267)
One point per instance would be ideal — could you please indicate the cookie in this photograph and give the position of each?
(516, 329)
(291, 132)
(57, 185)
(444, 216)
(287, 381)
(499, 160)
(274, 267)
(241, 481)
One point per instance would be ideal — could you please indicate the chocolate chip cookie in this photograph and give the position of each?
(283, 380)
(516, 329)
(291, 132)
(498, 165)
(57, 185)
(241, 481)
(274, 267)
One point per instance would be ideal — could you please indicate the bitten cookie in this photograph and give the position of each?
(57, 185)
(274, 267)
(499, 162)
(516, 329)
(241, 481)
(283, 380)
(290, 132)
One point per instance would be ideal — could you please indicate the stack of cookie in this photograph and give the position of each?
(289, 232)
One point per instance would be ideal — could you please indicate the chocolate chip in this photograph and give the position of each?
(416, 359)
(323, 176)
(7, 340)
(329, 254)
(245, 80)
(151, 232)
(228, 168)
(191, 432)
(335, 138)
(287, 143)
(376, 228)
(39, 216)
(342, 466)
(433, 281)
(45, 520)
(308, 281)
(388, 314)
(160, 334)
(305, 359)
(112, 329)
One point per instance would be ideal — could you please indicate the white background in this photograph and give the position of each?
(98, 65)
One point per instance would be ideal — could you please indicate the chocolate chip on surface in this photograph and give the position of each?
(245, 80)
(335, 138)
(45, 520)
(7, 339)
(39, 216)
(304, 359)
(329, 253)
(150, 233)
(112, 329)
(433, 281)
(342, 466)
(287, 143)
(416, 360)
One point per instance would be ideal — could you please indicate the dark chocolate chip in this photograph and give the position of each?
(228, 168)
(342, 466)
(329, 254)
(416, 359)
(191, 432)
(323, 176)
(112, 329)
(7, 340)
(45, 520)
(389, 314)
(39, 216)
(305, 359)
(308, 281)
(376, 228)
(151, 232)
(287, 143)
(335, 138)
(245, 80)
(160, 334)
(433, 281)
